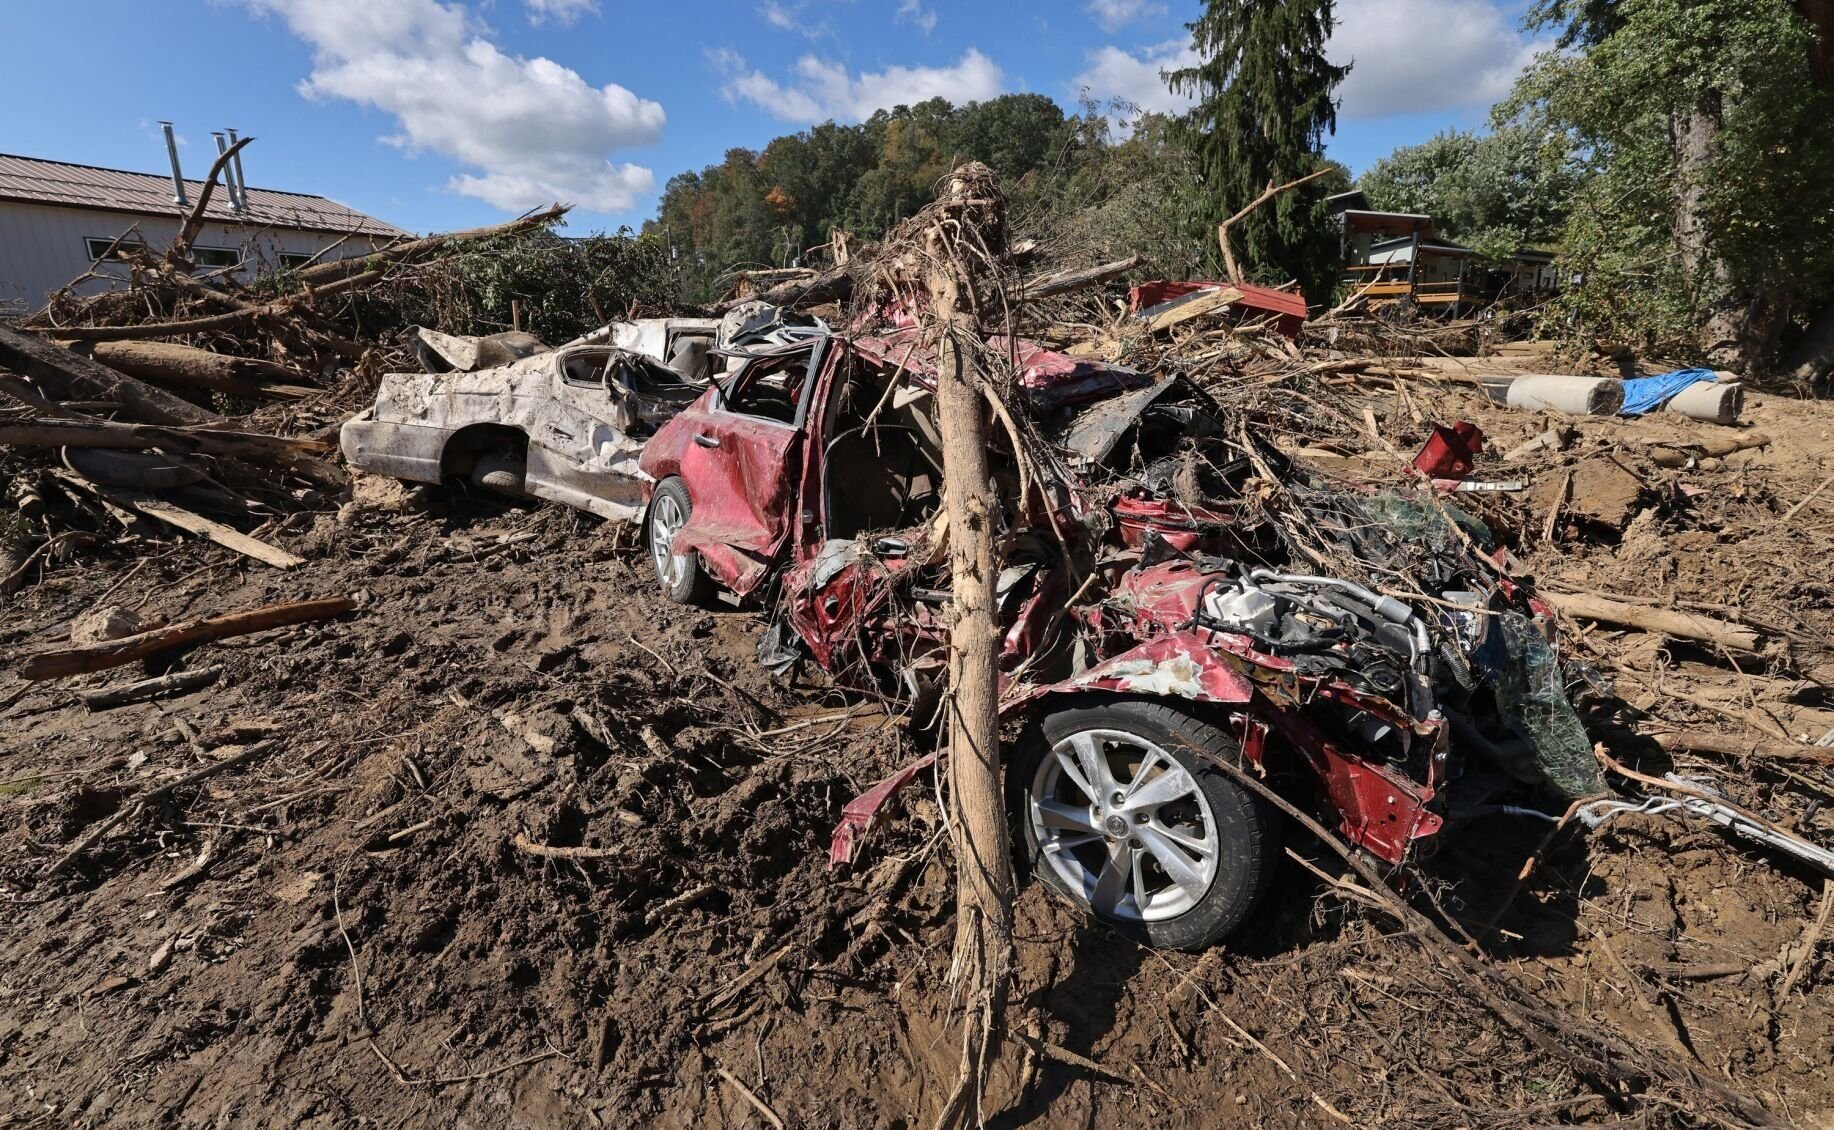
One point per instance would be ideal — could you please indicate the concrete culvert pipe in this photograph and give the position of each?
(1579, 396)
(1713, 401)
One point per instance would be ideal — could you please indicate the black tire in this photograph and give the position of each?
(685, 582)
(1243, 828)
(503, 471)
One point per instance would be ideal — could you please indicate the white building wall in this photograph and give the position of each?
(42, 247)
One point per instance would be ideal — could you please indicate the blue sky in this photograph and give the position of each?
(437, 114)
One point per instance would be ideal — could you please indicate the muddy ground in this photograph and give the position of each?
(370, 941)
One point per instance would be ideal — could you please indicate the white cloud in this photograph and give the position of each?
(536, 131)
(792, 15)
(1476, 54)
(1112, 14)
(823, 89)
(914, 11)
(778, 16)
(562, 12)
(1475, 57)
(1113, 73)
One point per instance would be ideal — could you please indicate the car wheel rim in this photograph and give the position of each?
(666, 520)
(1124, 825)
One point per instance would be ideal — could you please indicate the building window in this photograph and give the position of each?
(292, 261)
(215, 256)
(99, 247)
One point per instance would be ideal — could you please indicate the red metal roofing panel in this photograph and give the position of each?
(1286, 305)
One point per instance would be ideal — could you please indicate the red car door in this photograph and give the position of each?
(738, 451)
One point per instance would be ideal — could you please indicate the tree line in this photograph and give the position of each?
(1092, 187)
(1677, 153)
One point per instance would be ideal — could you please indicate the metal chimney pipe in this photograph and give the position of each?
(229, 177)
(241, 182)
(178, 178)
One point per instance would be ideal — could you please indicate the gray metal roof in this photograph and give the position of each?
(86, 186)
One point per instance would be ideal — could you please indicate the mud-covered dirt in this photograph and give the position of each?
(370, 939)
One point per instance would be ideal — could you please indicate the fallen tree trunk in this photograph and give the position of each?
(1666, 621)
(69, 376)
(1063, 282)
(1726, 745)
(166, 363)
(415, 248)
(113, 653)
(296, 454)
(832, 285)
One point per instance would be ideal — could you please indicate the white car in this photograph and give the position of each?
(565, 425)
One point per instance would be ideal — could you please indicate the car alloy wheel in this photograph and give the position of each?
(1120, 821)
(1123, 808)
(666, 520)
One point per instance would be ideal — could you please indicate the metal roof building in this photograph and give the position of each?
(57, 220)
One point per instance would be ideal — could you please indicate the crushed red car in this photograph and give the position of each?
(1154, 620)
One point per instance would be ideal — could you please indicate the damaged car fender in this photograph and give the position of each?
(1179, 665)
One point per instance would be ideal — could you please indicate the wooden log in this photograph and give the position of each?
(298, 454)
(167, 363)
(1666, 621)
(417, 248)
(64, 375)
(68, 661)
(1197, 306)
(178, 682)
(832, 285)
(984, 873)
(1728, 745)
(1063, 282)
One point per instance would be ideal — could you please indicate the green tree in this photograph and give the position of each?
(768, 209)
(1497, 191)
(1707, 225)
(1264, 91)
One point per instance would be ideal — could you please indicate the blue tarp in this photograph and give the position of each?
(1646, 394)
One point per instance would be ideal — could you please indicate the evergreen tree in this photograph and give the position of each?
(1264, 106)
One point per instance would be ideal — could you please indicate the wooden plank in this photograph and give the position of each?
(226, 536)
(1197, 306)
(175, 515)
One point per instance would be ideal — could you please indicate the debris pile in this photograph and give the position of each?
(429, 803)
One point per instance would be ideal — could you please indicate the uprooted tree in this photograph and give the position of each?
(949, 264)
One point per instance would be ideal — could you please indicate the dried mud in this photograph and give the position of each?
(366, 942)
